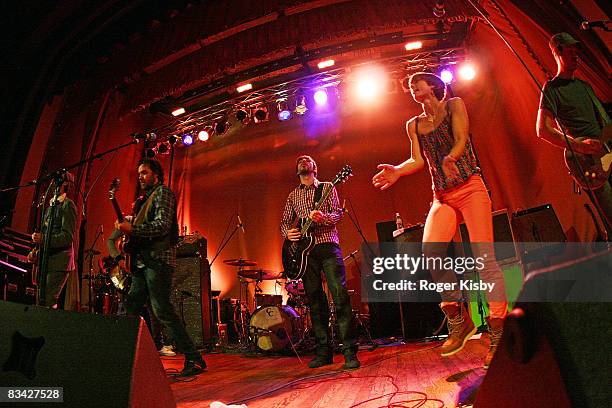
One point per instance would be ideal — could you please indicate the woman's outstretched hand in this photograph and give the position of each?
(386, 177)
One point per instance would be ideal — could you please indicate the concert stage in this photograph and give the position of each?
(413, 371)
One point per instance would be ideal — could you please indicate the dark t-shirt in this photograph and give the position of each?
(570, 100)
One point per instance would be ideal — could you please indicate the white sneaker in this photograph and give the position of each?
(167, 351)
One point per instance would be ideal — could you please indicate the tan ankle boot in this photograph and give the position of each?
(460, 328)
(496, 329)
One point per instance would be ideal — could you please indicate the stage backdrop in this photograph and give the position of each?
(250, 170)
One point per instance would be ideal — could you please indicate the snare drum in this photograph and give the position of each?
(274, 328)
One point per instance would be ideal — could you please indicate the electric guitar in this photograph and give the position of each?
(596, 168)
(120, 277)
(295, 253)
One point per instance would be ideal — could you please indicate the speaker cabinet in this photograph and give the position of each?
(191, 297)
(412, 320)
(555, 354)
(502, 232)
(538, 232)
(100, 361)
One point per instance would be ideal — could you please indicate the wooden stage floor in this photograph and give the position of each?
(416, 369)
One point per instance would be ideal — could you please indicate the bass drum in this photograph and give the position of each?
(274, 328)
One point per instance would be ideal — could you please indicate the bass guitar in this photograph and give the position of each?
(596, 168)
(120, 277)
(295, 253)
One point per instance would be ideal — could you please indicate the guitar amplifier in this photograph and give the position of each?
(191, 297)
(191, 245)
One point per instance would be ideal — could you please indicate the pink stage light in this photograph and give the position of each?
(320, 97)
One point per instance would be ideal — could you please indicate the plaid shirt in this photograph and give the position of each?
(300, 203)
(158, 224)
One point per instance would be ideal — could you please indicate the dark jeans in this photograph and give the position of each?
(149, 283)
(327, 257)
(55, 283)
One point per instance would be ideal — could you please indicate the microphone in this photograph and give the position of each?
(102, 229)
(589, 25)
(144, 136)
(240, 223)
(344, 206)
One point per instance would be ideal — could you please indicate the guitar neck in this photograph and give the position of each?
(317, 205)
(117, 209)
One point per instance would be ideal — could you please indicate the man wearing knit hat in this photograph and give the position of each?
(569, 103)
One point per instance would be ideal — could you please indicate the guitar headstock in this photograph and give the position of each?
(343, 174)
(113, 188)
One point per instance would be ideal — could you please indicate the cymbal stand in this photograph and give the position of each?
(240, 322)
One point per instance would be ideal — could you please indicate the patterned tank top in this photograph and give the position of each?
(436, 145)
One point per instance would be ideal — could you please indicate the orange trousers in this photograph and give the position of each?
(471, 203)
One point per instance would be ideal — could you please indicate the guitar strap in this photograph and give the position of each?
(318, 194)
(144, 210)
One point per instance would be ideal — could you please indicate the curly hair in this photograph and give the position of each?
(155, 167)
(439, 87)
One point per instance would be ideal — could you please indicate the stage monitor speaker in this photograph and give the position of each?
(553, 354)
(99, 361)
(191, 297)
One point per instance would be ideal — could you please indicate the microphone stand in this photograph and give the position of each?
(91, 255)
(358, 228)
(224, 244)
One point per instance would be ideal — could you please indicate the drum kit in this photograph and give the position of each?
(270, 325)
(104, 297)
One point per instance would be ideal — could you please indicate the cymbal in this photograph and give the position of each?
(240, 262)
(259, 274)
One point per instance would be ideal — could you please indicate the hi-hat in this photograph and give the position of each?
(240, 262)
(259, 274)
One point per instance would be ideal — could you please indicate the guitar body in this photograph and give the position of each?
(596, 168)
(295, 256)
(121, 278)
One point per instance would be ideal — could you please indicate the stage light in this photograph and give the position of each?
(446, 75)
(245, 87)
(260, 114)
(369, 83)
(241, 115)
(187, 139)
(326, 64)
(414, 45)
(221, 126)
(178, 111)
(172, 139)
(283, 111)
(203, 135)
(320, 97)
(467, 72)
(149, 153)
(300, 107)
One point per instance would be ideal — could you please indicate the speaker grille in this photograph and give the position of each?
(191, 297)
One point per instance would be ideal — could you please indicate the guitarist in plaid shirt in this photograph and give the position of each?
(325, 257)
